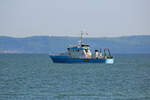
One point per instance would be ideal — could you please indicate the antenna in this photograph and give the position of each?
(81, 39)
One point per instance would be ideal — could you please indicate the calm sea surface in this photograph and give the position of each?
(35, 77)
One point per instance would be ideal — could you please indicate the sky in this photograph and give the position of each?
(100, 18)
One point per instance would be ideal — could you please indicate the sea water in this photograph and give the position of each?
(35, 77)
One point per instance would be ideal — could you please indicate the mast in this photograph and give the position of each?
(81, 39)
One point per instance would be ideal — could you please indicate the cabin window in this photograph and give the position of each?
(68, 49)
(86, 50)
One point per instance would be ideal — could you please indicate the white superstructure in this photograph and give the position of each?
(82, 51)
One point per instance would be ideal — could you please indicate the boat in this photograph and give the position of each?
(82, 54)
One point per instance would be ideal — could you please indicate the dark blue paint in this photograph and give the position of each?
(67, 59)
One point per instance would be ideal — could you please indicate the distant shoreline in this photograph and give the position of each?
(139, 44)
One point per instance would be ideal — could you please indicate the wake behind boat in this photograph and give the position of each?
(83, 54)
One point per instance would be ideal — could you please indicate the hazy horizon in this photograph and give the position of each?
(100, 18)
(72, 35)
(85, 36)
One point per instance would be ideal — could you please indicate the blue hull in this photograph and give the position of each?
(67, 59)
